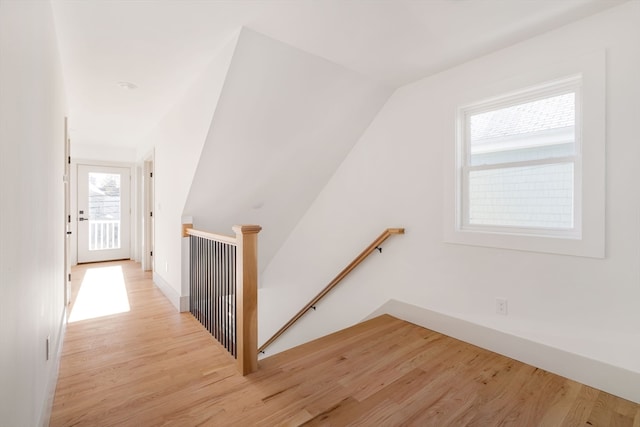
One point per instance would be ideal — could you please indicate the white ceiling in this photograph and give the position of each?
(162, 45)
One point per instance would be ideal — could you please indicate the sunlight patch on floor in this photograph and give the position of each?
(102, 293)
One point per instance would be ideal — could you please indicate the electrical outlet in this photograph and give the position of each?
(501, 306)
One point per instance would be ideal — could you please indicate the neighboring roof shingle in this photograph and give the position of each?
(535, 116)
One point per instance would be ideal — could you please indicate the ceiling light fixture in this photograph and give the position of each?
(128, 85)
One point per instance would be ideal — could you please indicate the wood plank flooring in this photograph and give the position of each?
(152, 366)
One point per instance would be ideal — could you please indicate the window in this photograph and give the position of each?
(520, 162)
(526, 157)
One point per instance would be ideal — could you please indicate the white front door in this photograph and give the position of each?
(103, 213)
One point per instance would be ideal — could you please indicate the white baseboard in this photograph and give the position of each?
(184, 304)
(603, 376)
(167, 290)
(181, 303)
(55, 371)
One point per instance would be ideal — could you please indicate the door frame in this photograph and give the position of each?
(148, 220)
(74, 200)
(68, 241)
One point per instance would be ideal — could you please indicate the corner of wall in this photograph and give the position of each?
(612, 379)
(168, 291)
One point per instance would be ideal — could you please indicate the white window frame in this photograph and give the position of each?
(563, 86)
(592, 191)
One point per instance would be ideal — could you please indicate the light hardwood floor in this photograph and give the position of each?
(153, 366)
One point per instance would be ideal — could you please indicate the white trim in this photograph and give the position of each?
(90, 162)
(603, 376)
(148, 222)
(185, 267)
(517, 164)
(74, 200)
(184, 303)
(54, 372)
(181, 303)
(127, 193)
(589, 194)
(566, 85)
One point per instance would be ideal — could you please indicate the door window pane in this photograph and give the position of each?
(104, 211)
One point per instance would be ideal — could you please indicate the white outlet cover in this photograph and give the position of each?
(501, 306)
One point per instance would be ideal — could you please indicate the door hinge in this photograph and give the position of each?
(69, 218)
(151, 254)
(150, 174)
(69, 276)
(69, 159)
(150, 213)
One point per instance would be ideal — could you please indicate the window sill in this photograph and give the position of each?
(588, 246)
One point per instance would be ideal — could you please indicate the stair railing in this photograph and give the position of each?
(375, 245)
(223, 289)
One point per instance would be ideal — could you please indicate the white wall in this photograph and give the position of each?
(395, 177)
(285, 121)
(32, 111)
(177, 142)
(79, 150)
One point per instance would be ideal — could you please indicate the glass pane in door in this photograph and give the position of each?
(104, 211)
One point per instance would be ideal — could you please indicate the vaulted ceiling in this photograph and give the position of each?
(161, 46)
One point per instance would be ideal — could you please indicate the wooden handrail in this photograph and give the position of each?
(188, 230)
(365, 253)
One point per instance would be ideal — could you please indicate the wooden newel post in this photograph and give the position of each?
(247, 297)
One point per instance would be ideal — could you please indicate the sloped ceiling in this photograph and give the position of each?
(161, 46)
(284, 122)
